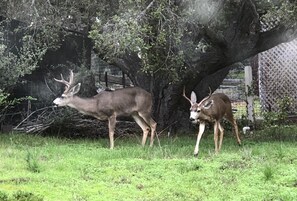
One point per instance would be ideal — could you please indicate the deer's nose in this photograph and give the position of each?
(57, 101)
(192, 119)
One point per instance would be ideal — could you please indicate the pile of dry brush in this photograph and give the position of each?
(69, 123)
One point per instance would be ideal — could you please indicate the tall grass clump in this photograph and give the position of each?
(32, 163)
(268, 173)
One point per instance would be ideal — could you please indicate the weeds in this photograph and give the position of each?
(77, 197)
(280, 152)
(32, 163)
(25, 196)
(20, 196)
(246, 153)
(3, 196)
(268, 173)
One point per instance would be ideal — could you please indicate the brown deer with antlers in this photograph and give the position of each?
(107, 105)
(212, 109)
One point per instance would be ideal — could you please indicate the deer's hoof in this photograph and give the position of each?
(196, 155)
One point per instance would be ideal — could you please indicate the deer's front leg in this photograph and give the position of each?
(201, 131)
(111, 127)
(216, 136)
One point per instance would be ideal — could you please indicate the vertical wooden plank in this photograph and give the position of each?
(106, 79)
(249, 93)
(123, 79)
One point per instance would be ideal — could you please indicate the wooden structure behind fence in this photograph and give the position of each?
(108, 76)
(122, 81)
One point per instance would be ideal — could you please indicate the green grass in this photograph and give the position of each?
(48, 168)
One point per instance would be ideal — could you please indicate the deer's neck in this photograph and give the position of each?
(83, 105)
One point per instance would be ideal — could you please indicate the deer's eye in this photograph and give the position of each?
(198, 110)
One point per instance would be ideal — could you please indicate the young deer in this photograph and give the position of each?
(212, 109)
(107, 105)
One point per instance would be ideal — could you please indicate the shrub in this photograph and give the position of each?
(3, 196)
(25, 196)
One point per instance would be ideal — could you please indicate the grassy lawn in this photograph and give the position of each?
(44, 168)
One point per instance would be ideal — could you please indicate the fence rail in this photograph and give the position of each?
(112, 79)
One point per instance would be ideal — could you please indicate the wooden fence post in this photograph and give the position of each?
(106, 79)
(123, 79)
(249, 93)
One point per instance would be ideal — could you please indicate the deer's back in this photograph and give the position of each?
(221, 96)
(225, 106)
(125, 101)
(221, 106)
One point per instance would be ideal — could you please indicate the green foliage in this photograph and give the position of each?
(277, 11)
(132, 30)
(285, 104)
(3, 98)
(6, 101)
(161, 33)
(15, 65)
(279, 117)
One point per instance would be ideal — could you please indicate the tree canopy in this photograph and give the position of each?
(162, 45)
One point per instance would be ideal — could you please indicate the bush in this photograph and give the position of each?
(25, 196)
(280, 117)
(3, 196)
(20, 196)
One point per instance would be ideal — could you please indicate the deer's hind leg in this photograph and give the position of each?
(143, 125)
(230, 118)
(152, 124)
(221, 131)
(216, 136)
(111, 127)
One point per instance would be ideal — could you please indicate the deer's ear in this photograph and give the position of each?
(193, 97)
(208, 104)
(75, 89)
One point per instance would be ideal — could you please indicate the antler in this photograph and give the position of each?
(184, 95)
(204, 99)
(209, 92)
(68, 84)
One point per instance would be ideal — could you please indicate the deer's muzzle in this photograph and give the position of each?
(194, 117)
(58, 101)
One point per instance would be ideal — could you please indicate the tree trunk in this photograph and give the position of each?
(170, 107)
